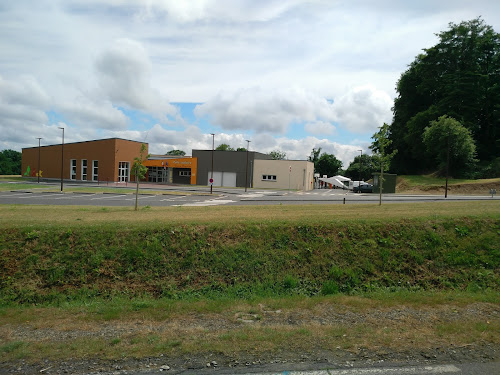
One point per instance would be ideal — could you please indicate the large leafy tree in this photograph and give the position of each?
(451, 145)
(278, 155)
(459, 77)
(176, 153)
(328, 164)
(363, 166)
(224, 147)
(10, 162)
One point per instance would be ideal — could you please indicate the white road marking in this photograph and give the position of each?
(173, 198)
(109, 197)
(438, 369)
(211, 202)
(139, 197)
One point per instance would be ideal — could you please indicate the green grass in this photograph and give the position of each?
(246, 259)
(423, 180)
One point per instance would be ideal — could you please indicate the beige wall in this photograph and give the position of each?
(300, 177)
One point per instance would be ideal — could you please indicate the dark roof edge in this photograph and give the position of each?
(94, 140)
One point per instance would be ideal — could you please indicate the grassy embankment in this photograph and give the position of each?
(86, 264)
(434, 185)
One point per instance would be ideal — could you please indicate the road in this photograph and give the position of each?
(491, 368)
(200, 196)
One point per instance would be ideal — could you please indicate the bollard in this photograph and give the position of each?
(344, 200)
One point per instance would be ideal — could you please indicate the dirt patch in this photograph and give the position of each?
(457, 189)
(326, 335)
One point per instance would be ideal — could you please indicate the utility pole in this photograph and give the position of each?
(62, 158)
(360, 161)
(246, 166)
(38, 173)
(212, 169)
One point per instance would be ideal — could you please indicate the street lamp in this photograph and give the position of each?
(38, 173)
(360, 161)
(62, 158)
(212, 169)
(246, 166)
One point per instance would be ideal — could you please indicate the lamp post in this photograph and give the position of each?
(38, 173)
(212, 169)
(246, 166)
(360, 161)
(62, 158)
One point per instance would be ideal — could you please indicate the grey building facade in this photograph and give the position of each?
(229, 167)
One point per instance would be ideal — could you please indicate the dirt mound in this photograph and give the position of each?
(457, 189)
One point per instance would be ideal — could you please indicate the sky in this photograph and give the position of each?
(287, 75)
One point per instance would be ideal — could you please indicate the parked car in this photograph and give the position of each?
(365, 188)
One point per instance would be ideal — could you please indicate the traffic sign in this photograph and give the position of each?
(211, 181)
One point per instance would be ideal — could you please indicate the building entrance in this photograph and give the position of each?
(158, 174)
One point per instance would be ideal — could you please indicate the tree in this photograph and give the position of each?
(451, 145)
(224, 147)
(328, 165)
(139, 170)
(278, 155)
(314, 157)
(176, 153)
(380, 146)
(10, 162)
(241, 149)
(367, 164)
(458, 77)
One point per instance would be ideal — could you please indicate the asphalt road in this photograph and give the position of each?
(200, 196)
(491, 368)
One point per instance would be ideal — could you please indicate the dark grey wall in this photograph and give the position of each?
(226, 161)
(176, 179)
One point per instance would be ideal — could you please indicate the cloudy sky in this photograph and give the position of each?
(289, 75)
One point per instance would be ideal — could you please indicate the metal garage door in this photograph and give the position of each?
(227, 179)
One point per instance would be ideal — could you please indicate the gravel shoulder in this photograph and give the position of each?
(337, 336)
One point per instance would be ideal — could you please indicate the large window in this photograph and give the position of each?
(185, 173)
(72, 169)
(123, 171)
(268, 177)
(84, 169)
(95, 170)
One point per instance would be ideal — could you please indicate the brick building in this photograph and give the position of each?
(104, 160)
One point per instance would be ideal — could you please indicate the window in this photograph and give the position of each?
(84, 169)
(95, 170)
(268, 177)
(72, 169)
(123, 171)
(185, 173)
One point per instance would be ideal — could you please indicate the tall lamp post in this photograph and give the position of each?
(62, 158)
(246, 166)
(360, 161)
(212, 169)
(38, 173)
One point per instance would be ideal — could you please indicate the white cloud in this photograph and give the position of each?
(22, 109)
(363, 109)
(261, 110)
(85, 113)
(124, 73)
(320, 127)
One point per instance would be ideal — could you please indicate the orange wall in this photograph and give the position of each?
(107, 151)
(176, 163)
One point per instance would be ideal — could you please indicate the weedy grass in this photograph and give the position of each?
(196, 270)
(429, 180)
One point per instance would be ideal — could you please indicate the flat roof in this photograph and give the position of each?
(95, 140)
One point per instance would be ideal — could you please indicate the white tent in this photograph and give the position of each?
(337, 181)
